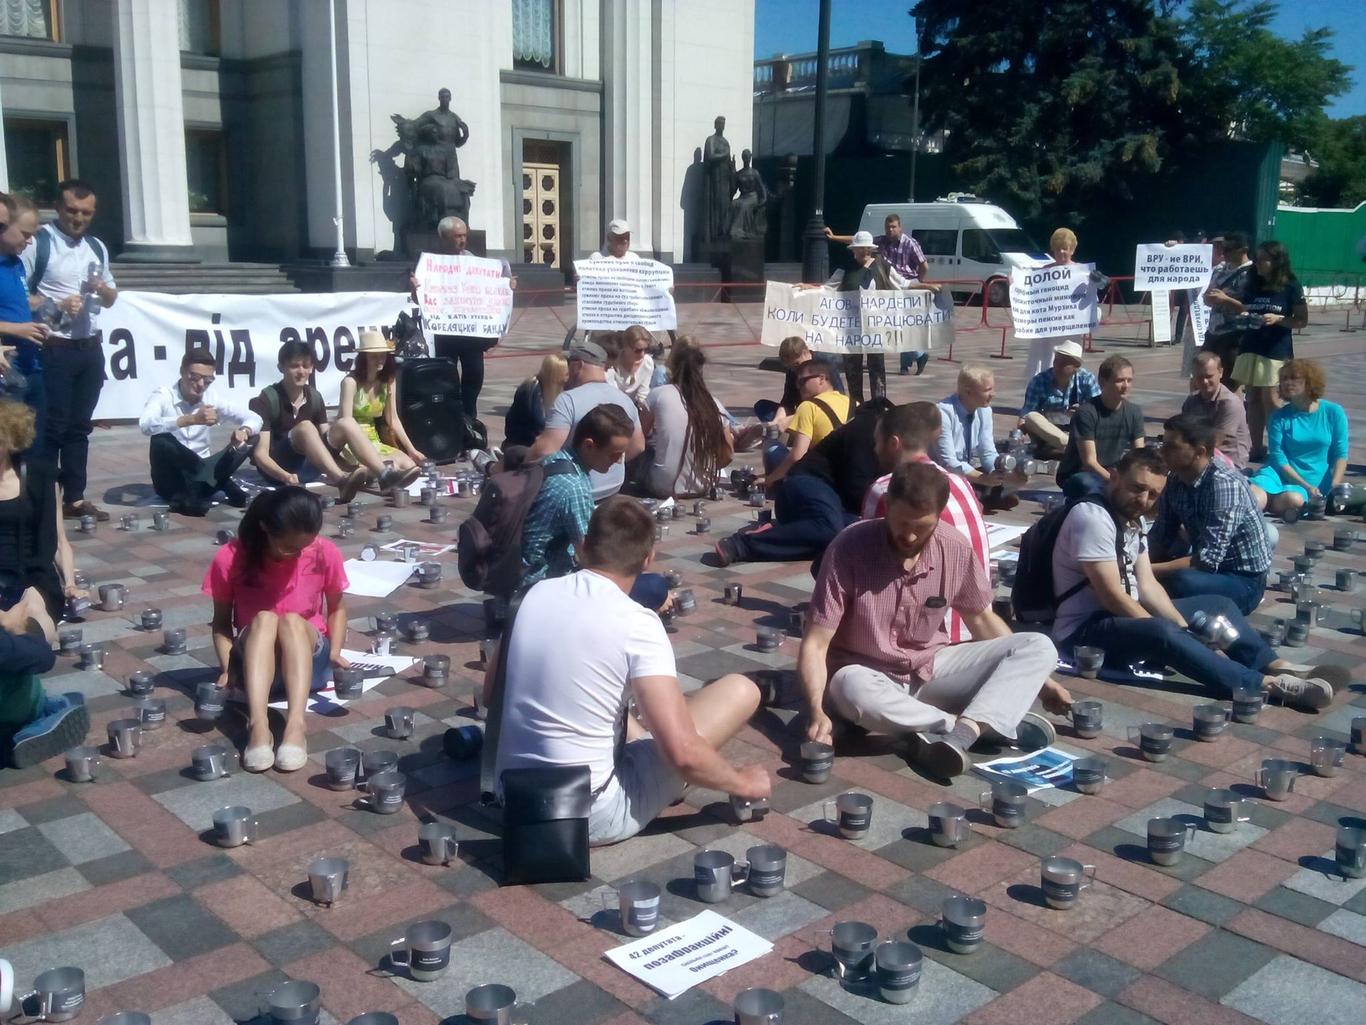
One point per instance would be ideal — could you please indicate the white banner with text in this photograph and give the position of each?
(1159, 266)
(1052, 302)
(867, 320)
(463, 295)
(147, 333)
(616, 294)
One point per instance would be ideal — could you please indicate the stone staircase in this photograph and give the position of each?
(212, 278)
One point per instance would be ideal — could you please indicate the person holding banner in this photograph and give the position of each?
(1062, 246)
(369, 398)
(1232, 276)
(869, 271)
(177, 419)
(904, 255)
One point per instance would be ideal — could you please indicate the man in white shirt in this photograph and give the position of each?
(185, 471)
(579, 649)
(69, 282)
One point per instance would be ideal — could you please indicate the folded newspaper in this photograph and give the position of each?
(675, 959)
(1040, 770)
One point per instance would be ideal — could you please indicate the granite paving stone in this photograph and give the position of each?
(35, 890)
(1347, 924)
(1287, 991)
(83, 838)
(1215, 965)
(944, 997)
(109, 950)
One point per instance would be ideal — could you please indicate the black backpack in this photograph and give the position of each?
(489, 550)
(1032, 599)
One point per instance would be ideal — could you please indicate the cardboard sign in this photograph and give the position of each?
(463, 295)
(867, 320)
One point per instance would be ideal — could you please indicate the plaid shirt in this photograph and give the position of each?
(1220, 520)
(1042, 397)
(905, 254)
(556, 522)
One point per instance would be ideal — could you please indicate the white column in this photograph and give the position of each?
(4, 166)
(147, 93)
(628, 80)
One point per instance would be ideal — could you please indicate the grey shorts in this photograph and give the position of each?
(645, 785)
(322, 668)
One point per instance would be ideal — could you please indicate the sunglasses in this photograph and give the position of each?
(201, 378)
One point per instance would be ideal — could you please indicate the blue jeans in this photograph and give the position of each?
(807, 514)
(1243, 589)
(773, 454)
(1126, 641)
(908, 359)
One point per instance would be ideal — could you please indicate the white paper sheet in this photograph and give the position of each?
(377, 579)
(1001, 534)
(325, 697)
(675, 959)
(425, 549)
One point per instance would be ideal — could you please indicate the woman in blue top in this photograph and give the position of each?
(1271, 308)
(1306, 442)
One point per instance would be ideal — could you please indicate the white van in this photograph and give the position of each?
(963, 238)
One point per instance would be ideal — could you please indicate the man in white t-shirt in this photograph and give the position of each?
(1108, 598)
(579, 649)
(586, 389)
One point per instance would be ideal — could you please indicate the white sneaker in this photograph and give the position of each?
(290, 758)
(258, 759)
(1298, 693)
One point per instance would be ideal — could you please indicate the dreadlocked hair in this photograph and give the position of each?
(706, 440)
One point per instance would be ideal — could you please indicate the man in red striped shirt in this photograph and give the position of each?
(905, 435)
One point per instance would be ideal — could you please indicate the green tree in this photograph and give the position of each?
(1340, 178)
(1246, 81)
(1053, 106)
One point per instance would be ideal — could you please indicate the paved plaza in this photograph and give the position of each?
(119, 877)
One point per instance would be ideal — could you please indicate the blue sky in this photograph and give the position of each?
(789, 26)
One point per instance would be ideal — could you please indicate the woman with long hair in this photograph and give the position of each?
(1307, 442)
(369, 397)
(1271, 308)
(533, 400)
(692, 439)
(632, 366)
(279, 617)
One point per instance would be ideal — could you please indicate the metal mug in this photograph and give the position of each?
(374, 1018)
(209, 701)
(896, 966)
(83, 764)
(399, 722)
(817, 760)
(373, 762)
(59, 994)
(69, 639)
(173, 642)
(1277, 778)
(349, 683)
(233, 826)
(1221, 810)
(1006, 802)
(1248, 703)
(328, 879)
(747, 810)
(1090, 659)
(1062, 880)
(638, 904)
(384, 791)
(757, 1006)
(1210, 721)
(1350, 852)
(716, 876)
(343, 768)
(1167, 838)
(141, 683)
(767, 869)
(853, 814)
(125, 738)
(424, 950)
(1088, 775)
(151, 712)
(495, 1003)
(428, 574)
(1087, 718)
(90, 656)
(211, 761)
(112, 596)
(1154, 740)
(1325, 755)
(852, 944)
(161, 520)
(964, 921)
(150, 619)
(437, 842)
(948, 824)
(294, 1003)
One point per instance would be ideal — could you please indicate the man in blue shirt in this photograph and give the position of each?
(965, 446)
(19, 335)
(1051, 398)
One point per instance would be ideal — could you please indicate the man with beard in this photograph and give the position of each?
(876, 651)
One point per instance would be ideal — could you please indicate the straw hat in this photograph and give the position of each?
(374, 341)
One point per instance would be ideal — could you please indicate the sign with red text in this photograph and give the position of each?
(463, 295)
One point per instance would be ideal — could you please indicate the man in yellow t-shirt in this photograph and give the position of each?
(821, 410)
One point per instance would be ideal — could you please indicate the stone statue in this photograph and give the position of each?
(749, 210)
(720, 184)
(431, 170)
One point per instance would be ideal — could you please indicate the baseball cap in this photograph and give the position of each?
(862, 239)
(1070, 349)
(590, 352)
(618, 227)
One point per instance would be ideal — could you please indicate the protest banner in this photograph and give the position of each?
(1051, 302)
(1162, 316)
(616, 294)
(854, 322)
(1199, 314)
(1172, 267)
(675, 959)
(463, 295)
(146, 334)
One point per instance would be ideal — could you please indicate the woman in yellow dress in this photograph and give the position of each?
(369, 397)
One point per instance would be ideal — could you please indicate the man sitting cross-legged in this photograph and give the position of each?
(1107, 597)
(876, 652)
(578, 650)
(296, 443)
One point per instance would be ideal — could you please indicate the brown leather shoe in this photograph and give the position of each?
(85, 507)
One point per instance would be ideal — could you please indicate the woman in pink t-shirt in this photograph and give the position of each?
(269, 590)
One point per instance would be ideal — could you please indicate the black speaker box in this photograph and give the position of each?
(431, 410)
